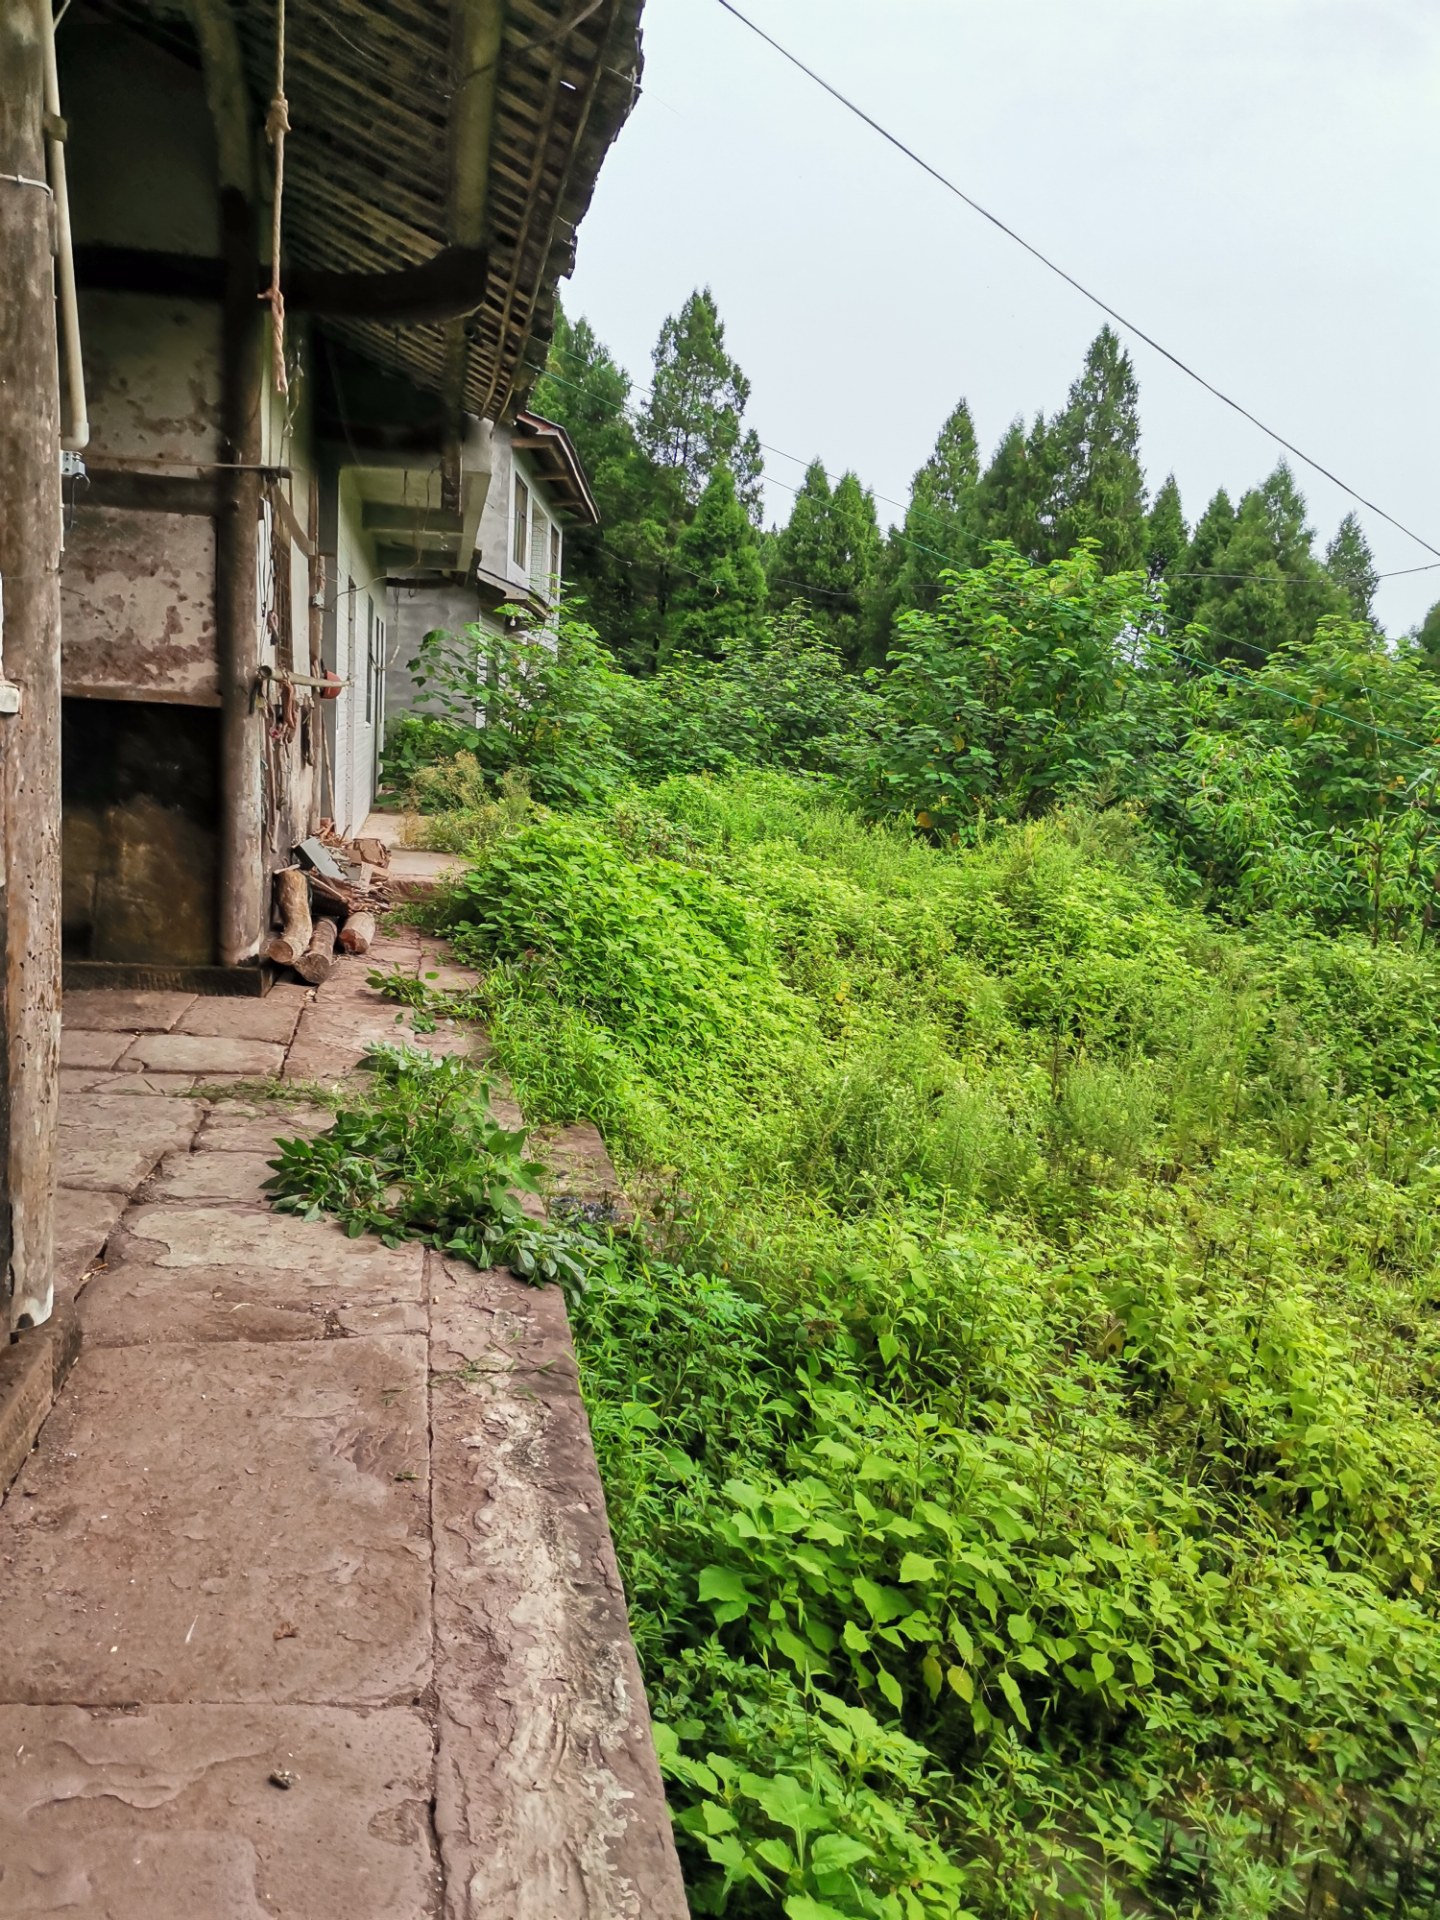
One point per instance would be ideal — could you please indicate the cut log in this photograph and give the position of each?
(318, 959)
(357, 933)
(292, 897)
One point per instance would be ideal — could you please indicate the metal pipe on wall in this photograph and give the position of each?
(75, 436)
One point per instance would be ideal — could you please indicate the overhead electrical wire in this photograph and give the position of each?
(1079, 286)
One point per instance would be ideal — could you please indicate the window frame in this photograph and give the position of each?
(520, 525)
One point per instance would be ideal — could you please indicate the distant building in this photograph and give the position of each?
(531, 491)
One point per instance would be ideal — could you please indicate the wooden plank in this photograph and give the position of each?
(29, 737)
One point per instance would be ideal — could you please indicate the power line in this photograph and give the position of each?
(1054, 267)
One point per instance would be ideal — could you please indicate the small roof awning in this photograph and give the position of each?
(549, 446)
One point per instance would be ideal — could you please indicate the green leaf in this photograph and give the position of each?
(833, 1852)
(799, 1906)
(881, 1603)
(1012, 1695)
(916, 1567)
(722, 1583)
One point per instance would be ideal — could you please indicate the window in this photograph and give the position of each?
(554, 561)
(520, 546)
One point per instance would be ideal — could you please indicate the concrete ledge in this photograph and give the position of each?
(549, 1803)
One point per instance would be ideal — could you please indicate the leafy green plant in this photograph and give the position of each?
(423, 1158)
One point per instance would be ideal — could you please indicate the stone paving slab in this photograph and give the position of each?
(211, 1176)
(75, 1080)
(106, 1009)
(81, 1049)
(203, 1054)
(349, 1017)
(219, 1523)
(237, 1128)
(243, 1238)
(83, 1223)
(134, 1304)
(549, 1802)
(114, 1142)
(274, 1018)
(168, 1813)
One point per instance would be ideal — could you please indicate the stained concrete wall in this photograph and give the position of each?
(139, 617)
(138, 605)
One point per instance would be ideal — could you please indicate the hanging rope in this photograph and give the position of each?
(277, 125)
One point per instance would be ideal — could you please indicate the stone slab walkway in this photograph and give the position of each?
(310, 1603)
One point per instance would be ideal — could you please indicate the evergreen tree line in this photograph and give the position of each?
(680, 562)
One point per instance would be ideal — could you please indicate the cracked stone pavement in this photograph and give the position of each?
(309, 1599)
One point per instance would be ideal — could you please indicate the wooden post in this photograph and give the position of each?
(237, 612)
(30, 664)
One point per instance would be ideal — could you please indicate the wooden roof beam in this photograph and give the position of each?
(477, 36)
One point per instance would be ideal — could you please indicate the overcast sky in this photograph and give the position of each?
(1253, 181)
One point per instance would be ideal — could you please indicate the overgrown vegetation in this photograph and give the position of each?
(1016, 1404)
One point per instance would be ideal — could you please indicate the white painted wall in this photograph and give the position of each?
(361, 651)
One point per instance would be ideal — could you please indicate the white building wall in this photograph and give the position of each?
(361, 649)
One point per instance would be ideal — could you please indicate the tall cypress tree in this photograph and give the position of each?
(1099, 483)
(1351, 565)
(1266, 589)
(828, 556)
(798, 552)
(719, 590)
(1013, 498)
(693, 420)
(1185, 587)
(613, 568)
(1166, 538)
(940, 529)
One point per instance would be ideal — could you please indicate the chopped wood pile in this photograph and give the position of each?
(327, 900)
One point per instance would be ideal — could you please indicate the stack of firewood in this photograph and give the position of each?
(327, 902)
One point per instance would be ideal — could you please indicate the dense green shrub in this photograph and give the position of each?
(1019, 1438)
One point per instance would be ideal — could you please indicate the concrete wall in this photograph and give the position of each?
(138, 615)
(416, 611)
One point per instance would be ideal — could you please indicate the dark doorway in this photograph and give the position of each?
(140, 807)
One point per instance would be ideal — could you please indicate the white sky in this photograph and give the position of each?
(1254, 181)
